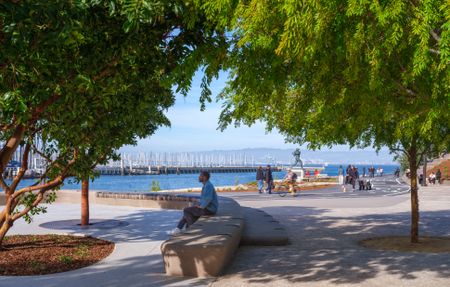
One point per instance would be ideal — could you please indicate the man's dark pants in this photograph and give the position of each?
(269, 187)
(191, 215)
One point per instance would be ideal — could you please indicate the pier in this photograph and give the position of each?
(143, 170)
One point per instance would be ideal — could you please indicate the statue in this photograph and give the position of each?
(298, 160)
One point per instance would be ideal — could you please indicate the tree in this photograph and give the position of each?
(366, 73)
(79, 79)
(84, 202)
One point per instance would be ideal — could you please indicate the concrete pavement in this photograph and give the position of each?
(324, 234)
(135, 262)
(324, 227)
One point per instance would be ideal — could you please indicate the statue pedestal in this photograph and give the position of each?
(300, 172)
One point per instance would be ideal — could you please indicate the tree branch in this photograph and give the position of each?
(38, 200)
(434, 51)
(53, 183)
(9, 126)
(10, 147)
(42, 107)
(41, 154)
(59, 179)
(408, 91)
(435, 36)
(3, 184)
(23, 168)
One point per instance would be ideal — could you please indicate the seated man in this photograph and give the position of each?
(208, 205)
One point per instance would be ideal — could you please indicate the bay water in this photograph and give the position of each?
(143, 183)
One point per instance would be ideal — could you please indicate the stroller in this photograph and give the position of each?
(365, 184)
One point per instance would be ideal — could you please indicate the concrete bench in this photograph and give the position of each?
(206, 248)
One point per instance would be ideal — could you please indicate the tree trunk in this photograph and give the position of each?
(424, 170)
(3, 230)
(85, 202)
(6, 221)
(10, 147)
(414, 196)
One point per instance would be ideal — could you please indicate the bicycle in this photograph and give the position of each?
(282, 188)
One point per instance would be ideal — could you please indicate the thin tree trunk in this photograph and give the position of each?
(7, 221)
(10, 147)
(424, 170)
(3, 230)
(414, 196)
(85, 202)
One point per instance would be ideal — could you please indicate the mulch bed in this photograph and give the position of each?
(46, 254)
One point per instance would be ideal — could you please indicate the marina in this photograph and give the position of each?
(142, 183)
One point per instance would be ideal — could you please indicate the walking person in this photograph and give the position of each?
(260, 178)
(347, 177)
(341, 175)
(397, 172)
(208, 205)
(438, 176)
(352, 177)
(269, 179)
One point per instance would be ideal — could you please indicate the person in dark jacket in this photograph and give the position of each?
(260, 178)
(352, 177)
(438, 176)
(269, 180)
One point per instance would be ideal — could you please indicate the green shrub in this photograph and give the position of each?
(155, 186)
(66, 259)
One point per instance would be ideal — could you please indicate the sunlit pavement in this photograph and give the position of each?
(325, 227)
(135, 262)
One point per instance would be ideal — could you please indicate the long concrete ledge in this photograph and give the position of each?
(208, 245)
(202, 251)
(262, 229)
(145, 200)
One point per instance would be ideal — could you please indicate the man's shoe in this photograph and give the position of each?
(175, 231)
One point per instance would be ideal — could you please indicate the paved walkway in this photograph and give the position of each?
(135, 262)
(324, 227)
(324, 236)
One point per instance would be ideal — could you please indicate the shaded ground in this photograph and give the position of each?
(46, 254)
(325, 250)
(135, 262)
(403, 243)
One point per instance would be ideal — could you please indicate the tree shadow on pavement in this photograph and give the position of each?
(138, 271)
(325, 248)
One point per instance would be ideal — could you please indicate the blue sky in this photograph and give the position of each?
(193, 130)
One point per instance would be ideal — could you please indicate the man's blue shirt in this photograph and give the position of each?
(208, 198)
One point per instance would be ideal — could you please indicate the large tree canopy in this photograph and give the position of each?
(79, 79)
(328, 72)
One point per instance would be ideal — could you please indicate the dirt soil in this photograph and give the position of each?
(403, 244)
(46, 254)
